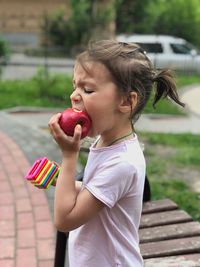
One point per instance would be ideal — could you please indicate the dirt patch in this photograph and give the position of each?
(188, 174)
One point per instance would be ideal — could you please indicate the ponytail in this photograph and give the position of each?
(165, 87)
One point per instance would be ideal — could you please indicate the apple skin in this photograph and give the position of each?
(71, 117)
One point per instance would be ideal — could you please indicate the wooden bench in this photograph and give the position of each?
(168, 236)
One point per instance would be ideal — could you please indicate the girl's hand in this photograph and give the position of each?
(68, 144)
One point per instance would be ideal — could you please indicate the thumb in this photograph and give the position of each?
(77, 132)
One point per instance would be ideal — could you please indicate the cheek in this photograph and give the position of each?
(101, 121)
(102, 111)
(98, 121)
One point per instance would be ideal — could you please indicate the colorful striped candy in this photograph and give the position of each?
(42, 173)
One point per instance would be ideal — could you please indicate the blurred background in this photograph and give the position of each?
(38, 44)
(59, 29)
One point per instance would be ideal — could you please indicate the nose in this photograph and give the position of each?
(75, 97)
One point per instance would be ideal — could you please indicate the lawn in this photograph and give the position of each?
(55, 91)
(36, 92)
(173, 167)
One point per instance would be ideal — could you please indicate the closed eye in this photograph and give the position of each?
(88, 91)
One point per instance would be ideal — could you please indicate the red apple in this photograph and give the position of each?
(71, 117)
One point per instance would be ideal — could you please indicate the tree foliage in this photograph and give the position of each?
(4, 50)
(174, 17)
(4, 53)
(179, 18)
(81, 26)
(91, 18)
(130, 15)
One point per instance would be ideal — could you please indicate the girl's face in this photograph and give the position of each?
(95, 93)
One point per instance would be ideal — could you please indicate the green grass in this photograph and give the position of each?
(187, 146)
(179, 192)
(165, 106)
(168, 157)
(55, 91)
(38, 91)
(184, 80)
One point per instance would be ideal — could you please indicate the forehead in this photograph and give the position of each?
(91, 70)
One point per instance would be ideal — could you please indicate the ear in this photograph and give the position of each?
(128, 103)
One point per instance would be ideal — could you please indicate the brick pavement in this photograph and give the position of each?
(26, 230)
(27, 235)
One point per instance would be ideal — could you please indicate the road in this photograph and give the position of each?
(21, 66)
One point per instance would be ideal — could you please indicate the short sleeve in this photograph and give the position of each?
(111, 181)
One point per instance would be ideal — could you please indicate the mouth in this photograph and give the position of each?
(77, 110)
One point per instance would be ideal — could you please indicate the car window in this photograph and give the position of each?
(181, 48)
(151, 47)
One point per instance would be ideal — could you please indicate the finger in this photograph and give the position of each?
(77, 132)
(54, 123)
(54, 119)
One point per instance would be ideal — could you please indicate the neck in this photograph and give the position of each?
(125, 135)
(122, 138)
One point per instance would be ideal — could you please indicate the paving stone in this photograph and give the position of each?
(26, 238)
(7, 248)
(26, 228)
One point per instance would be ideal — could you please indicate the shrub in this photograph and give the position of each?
(87, 20)
(4, 53)
(4, 50)
(55, 88)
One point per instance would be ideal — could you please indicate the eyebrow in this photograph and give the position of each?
(83, 82)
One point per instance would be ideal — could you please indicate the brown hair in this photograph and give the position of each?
(131, 70)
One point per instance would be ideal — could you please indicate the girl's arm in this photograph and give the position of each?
(78, 185)
(72, 208)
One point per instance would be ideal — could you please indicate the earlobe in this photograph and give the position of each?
(128, 103)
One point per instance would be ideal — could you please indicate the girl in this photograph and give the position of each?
(112, 83)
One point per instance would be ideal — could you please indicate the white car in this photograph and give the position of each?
(167, 51)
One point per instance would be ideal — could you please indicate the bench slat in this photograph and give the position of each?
(164, 218)
(191, 260)
(171, 231)
(171, 247)
(158, 206)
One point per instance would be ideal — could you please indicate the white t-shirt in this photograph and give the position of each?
(115, 175)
